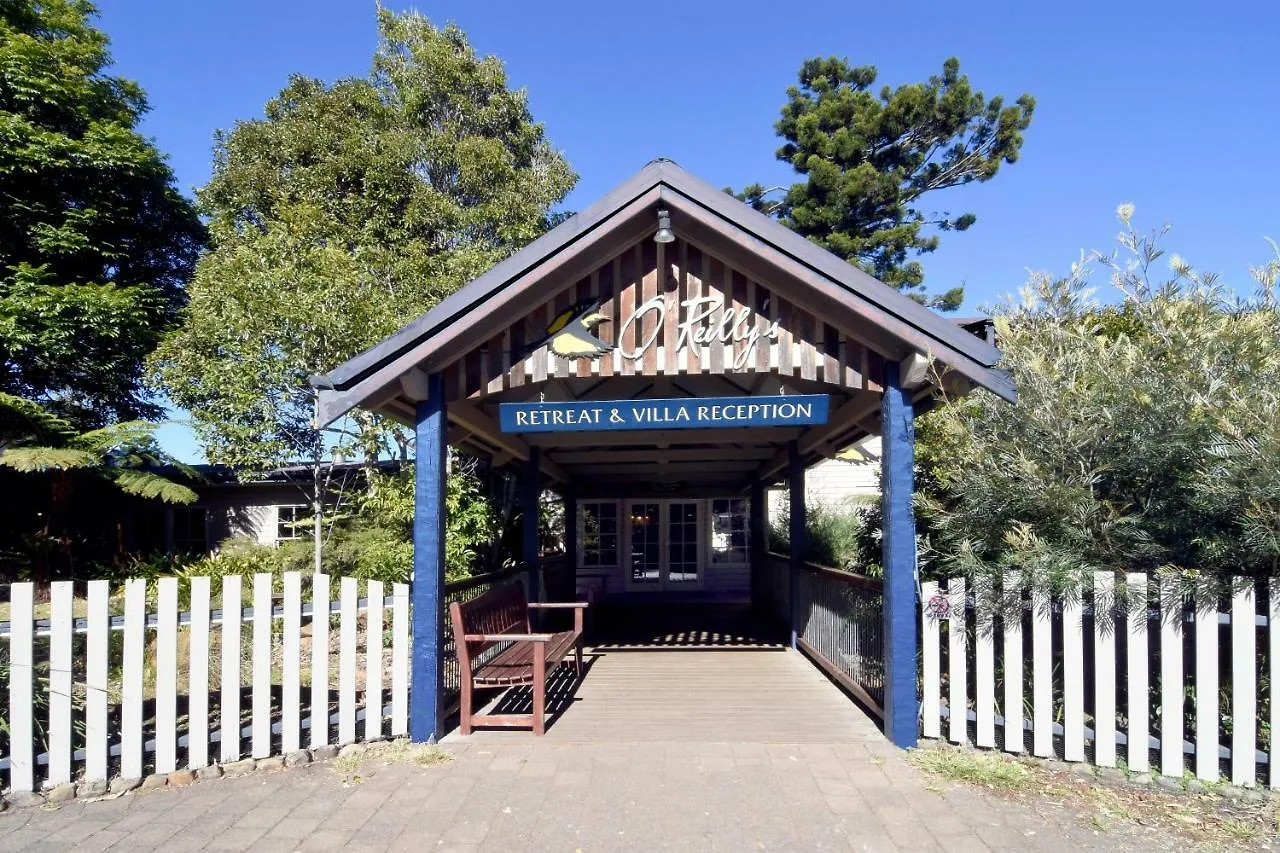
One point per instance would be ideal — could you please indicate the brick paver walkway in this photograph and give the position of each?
(542, 795)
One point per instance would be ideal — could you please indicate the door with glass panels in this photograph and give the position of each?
(664, 548)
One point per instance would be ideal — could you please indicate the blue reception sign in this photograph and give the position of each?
(681, 413)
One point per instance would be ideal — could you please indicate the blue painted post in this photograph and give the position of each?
(795, 480)
(426, 696)
(901, 703)
(530, 510)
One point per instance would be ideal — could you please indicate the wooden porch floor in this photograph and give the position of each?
(662, 674)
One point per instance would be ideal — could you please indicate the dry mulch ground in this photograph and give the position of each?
(1201, 820)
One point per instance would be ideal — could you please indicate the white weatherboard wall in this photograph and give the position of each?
(250, 615)
(1069, 656)
(838, 483)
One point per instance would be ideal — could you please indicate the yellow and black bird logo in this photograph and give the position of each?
(570, 333)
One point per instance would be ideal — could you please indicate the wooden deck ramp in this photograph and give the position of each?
(695, 675)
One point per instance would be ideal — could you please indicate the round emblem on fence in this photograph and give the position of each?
(939, 607)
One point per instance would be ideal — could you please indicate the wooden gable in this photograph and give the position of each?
(671, 309)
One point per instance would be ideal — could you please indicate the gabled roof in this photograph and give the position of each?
(443, 333)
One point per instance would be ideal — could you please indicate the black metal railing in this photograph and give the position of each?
(838, 619)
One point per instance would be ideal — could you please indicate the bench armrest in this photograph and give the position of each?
(498, 638)
(554, 605)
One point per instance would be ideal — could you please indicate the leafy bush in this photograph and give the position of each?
(835, 535)
(1146, 436)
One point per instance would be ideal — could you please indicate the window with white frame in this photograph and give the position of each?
(730, 530)
(599, 533)
(290, 521)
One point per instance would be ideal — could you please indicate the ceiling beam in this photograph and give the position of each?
(661, 457)
(472, 419)
(654, 437)
(847, 417)
(675, 471)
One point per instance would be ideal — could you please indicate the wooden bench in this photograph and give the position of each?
(500, 617)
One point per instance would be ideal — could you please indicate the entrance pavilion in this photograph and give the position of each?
(658, 360)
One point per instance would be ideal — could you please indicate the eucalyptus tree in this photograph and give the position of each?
(344, 212)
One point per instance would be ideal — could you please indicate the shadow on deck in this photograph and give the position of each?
(691, 674)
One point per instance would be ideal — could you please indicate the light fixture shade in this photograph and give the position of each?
(664, 234)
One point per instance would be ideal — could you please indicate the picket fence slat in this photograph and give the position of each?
(985, 675)
(291, 675)
(1172, 694)
(1138, 755)
(400, 660)
(1041, 673)
(957, 701)
(135, 615)
(1206, 637)
(320, 660)
(229, 697)
(373, 664)
(1104, 668)
(95, 677)
(198, 676)
(1013, 741)
(1244, 685)
(1273, 658)
(1073, 678)
(167, 676)
(21, 684)
(60, 617)
(347, 662)
(931, 652)
(260, 744)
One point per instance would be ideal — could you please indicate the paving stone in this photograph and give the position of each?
(154, 782)
(61, 793)
(324, 753)
(297, 758)
(1113, 775)
(94, 788)
(275, 762)
(181, 778)
(123, 784)
(239, 768)
(1169, 783)
(213, 771)
(355, 751)
(25, 799)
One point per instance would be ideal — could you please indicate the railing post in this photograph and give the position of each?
(426, 718)
(901, 705)
(795, 481)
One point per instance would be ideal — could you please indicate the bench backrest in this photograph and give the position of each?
(504, 609)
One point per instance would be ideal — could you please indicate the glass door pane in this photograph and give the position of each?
(682, 542)
(646, 549)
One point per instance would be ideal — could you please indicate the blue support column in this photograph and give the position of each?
(426, 705)
(901, 619)
(530, 510)
(795, 481)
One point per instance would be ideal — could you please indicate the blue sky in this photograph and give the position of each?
(1164, 104)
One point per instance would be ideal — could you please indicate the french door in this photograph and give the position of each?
(664, 549)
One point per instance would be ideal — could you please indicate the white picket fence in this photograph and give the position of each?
(1074, 716)
(113, 685)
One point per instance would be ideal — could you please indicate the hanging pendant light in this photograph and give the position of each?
(664, 234)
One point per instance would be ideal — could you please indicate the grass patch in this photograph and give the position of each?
(987, 769)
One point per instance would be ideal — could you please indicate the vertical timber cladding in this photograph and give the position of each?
(664, 310)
